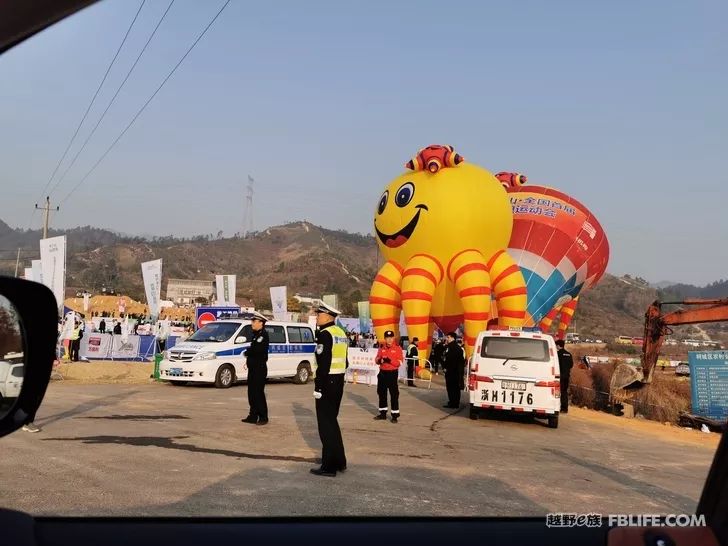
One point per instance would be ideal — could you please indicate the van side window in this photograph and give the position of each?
(276, 334)
(297, 334)
(17, 372)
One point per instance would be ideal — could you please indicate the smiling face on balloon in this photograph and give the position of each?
(443, 213)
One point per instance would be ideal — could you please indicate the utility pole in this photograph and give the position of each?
(17, 263)
(47, 210)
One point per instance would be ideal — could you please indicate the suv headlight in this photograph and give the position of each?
(209, 355)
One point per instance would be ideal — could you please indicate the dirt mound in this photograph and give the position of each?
(104, 371)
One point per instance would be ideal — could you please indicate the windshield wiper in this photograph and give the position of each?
(515, 358)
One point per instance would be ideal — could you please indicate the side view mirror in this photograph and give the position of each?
(28, 334)
(241, 339)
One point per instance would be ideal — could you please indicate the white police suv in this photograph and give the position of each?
(216, 353)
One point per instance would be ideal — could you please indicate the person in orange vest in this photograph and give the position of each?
(389, 358)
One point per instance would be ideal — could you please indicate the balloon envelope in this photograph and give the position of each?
(559, 245)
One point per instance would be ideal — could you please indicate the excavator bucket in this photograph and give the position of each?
(626, 376)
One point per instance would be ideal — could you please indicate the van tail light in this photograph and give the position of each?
(474, 379)
(555, 387)
(474, 365)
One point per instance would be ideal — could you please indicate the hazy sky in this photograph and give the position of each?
(620, 104)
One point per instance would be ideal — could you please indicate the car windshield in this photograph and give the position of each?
(215, 331)
(171, 169)
(515, 348)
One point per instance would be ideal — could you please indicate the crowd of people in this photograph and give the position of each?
(437, 355)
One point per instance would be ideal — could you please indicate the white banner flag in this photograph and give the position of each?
(332, 300)
(278, 298)
(69, 324)
(86, 302)
(152, 275)
(53, 266)
(225, 285)
(37, 271)
(125, 329)
(28, 275)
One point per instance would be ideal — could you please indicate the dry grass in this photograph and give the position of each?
(663, 400)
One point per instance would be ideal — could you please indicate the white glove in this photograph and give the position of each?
(317, 395)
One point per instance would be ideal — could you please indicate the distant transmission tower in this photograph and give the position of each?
(248, 212)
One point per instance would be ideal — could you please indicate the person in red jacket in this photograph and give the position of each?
(389, 358)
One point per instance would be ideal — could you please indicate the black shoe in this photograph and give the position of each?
(320, 471)
(381, 417)
(262, 422)
(342, 468)
(394, 419)
(449, 406)
(250, 419)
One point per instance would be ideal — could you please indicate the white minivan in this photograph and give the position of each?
(515, 370)
(11, 381)
(215, 353)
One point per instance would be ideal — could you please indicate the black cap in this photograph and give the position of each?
(560, 343)
(415, 339)
(453, 334)
(389, 333)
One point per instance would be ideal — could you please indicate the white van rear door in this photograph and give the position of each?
(516, 372)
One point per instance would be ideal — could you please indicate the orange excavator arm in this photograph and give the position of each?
(657, 325)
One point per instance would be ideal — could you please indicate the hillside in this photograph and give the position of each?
(718, 289)
(311, 260)
(616, 306)
(299, 256)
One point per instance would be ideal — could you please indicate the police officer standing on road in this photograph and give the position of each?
(454, 364)
(257, 361)
(76, 341)
(389, 359)
(331, 363)
(413, 357)
(566, 361)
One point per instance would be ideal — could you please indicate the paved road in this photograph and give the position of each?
(161, 450)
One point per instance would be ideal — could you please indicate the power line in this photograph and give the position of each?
(91, 134)
(96, 94)
(145, 104)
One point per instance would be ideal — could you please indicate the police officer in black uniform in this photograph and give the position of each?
(454, 364)
(331, 364)
(413, 357)
(257, 362)
(566, 362)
